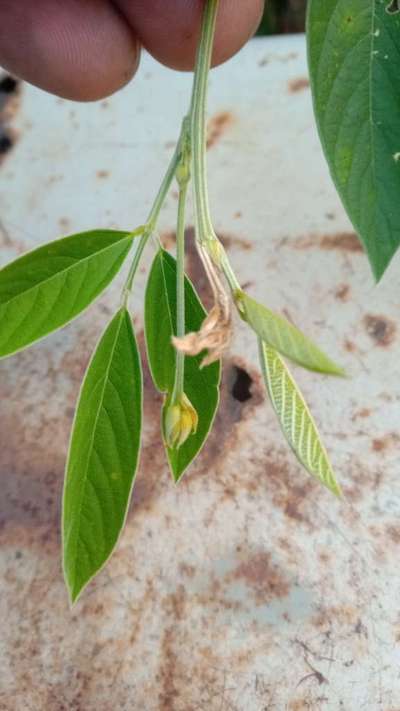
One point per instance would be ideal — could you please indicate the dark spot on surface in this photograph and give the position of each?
(380, 444)
(263, 577)
(217, 127)
(297, 85)
(241, 389)
(343, 241)
(8, 85)
(360, 629)
(64, 223)
(393, 532)
(5, 143)
(340, 241)
(101, 174)
(349, 346)
(229, 241)
(363, 414)
(231, 413)
(393, 8)
(9, 103)
(342, 293)
(380, 329)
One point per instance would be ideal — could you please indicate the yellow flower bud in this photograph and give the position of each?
(181, 421)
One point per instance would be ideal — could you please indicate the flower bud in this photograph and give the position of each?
(181, 421)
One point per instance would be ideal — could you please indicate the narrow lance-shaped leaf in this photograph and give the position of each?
(48, 287)
(295, 418)
(201, 385)
(103, 454)
(285, 338)
(354, 58)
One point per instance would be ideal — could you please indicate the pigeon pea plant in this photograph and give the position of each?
(354, 53)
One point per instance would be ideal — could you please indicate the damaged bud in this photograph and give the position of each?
(216, 331)
(181, 421)
(214, 336)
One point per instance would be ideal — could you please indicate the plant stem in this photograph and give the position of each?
(151, 222)
(198, 122)
(180, 291)
(183, 179)
(205, 233)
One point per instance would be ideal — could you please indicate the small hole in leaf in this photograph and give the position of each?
(394, 7)
(5, 143)
(8, 85)
(241, 389)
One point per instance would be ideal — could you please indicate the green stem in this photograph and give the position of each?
(204, 227)
(151, 222)
(205, 230)
(180, 293)
(183, 179)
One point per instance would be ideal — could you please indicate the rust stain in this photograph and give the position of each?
(297, 85)
(102, 174)
(381, 329)
(170, 674)
(343, 292)
(263, 577)
(64, 224)
(393, 532)
(229, 241)
(217, 127)
(362, 414)
(349, 346)
(380, 444)
(340, 241)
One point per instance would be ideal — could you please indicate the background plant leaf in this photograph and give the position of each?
(354, 59)
(285, 338)
(295, 418)
(103, 454)
(201, 385)
(48, 287)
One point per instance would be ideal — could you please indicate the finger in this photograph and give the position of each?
(78, 49)
(169, 29)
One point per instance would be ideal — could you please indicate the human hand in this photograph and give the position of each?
(87, 49)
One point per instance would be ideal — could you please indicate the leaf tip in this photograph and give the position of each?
(337, 490)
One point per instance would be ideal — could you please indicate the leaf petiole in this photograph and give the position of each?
(151, 223)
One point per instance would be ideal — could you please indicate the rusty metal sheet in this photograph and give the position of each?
(246, 588)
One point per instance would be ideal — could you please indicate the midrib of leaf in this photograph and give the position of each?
(91, 448)
(77, 262)
(18, 325)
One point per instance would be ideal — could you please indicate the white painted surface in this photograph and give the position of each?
(246, 588)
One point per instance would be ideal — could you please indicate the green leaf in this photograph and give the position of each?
(354, 59)
(201, 385)
(103, 454)
(46, 288)
(281, 335)
(295, 418)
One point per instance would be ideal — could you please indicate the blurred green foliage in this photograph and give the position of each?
(283, 16)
